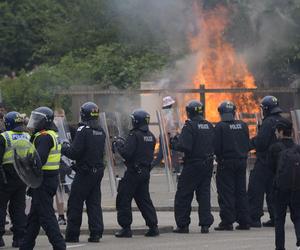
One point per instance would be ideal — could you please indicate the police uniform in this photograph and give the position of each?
(231, 149)
(261, 177)
(87, 149)
(14, 190)
(138, 152)
(42, 213)
(196, 141)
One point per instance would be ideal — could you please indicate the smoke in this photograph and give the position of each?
(274, 29)
(261, 27)
(152, 22)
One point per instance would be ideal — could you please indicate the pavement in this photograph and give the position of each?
(163, 199)
(254, 239)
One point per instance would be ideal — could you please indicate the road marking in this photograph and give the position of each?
(74, 246)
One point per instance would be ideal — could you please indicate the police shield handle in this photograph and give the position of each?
(109, 156)
(166, 150)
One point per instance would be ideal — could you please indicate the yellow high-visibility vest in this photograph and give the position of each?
(55, 152)
(13, 138)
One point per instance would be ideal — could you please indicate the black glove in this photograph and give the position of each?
(117, 143)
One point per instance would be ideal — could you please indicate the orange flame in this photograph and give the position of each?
(218, 65)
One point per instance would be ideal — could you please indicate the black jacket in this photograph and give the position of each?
(274, 151)
(265, 136)
(138, 148)
(231, 140)
(196, 140)
(87, 148)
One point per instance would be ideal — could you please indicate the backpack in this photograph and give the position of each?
(288, 170)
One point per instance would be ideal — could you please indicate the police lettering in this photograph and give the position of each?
(203, 126)
(95, 132)
(148, 138)
(235, 126)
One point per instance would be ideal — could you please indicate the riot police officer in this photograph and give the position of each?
(261, 178)
(87, 149)
(12, 189)
(42, 214)
(231, 149)
(137, 151)
(196, 141)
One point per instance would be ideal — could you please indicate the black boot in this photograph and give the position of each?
(181, 230)
(124, 233)
(269, 223)
(152, 232)
(224, 227)
(204, 229)
(242, 227)
(71, 239)
(2, 244)
(94, 238)
(255, 224)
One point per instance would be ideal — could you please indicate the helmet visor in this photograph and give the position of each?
(36, 118)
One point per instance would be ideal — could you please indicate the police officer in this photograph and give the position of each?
(196, 141)
(42, 214)
(261, 178)
(231, 149)
(87, 149)
(12, 189)
(137, 151)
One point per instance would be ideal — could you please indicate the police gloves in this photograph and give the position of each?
(117, 143)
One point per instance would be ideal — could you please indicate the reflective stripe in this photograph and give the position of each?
(53, 160)
(10, 142)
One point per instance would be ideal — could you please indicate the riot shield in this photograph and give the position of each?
(63, 135)
(296, 124)
(166, 150)
(27, 163)
(109, 156)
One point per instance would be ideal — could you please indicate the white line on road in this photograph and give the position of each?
(74, 246)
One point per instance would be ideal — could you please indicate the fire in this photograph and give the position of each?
(218, 65)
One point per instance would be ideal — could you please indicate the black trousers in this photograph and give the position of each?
(135, 186)
(282, 201)
(14, 193)
(260, 183)
(86, 187)
(232, 195)
(42, 214)
(194, 178)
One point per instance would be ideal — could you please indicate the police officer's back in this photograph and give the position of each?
(42, 214)
(261, 178)
(196, 141)
(12, 189)
(137, 151)
(87, 149)
(231, 149)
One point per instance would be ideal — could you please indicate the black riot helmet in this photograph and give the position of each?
(140, 119)
(40, 119)
(270, 105)
(194, 108)
(227, 111)
(13, 120)
(89, 111)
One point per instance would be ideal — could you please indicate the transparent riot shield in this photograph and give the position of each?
(109, 156)
(296, 124)
(27, 163)
(64, 135)
(166, 150)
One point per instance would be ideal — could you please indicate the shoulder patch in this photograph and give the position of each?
(80, 128)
